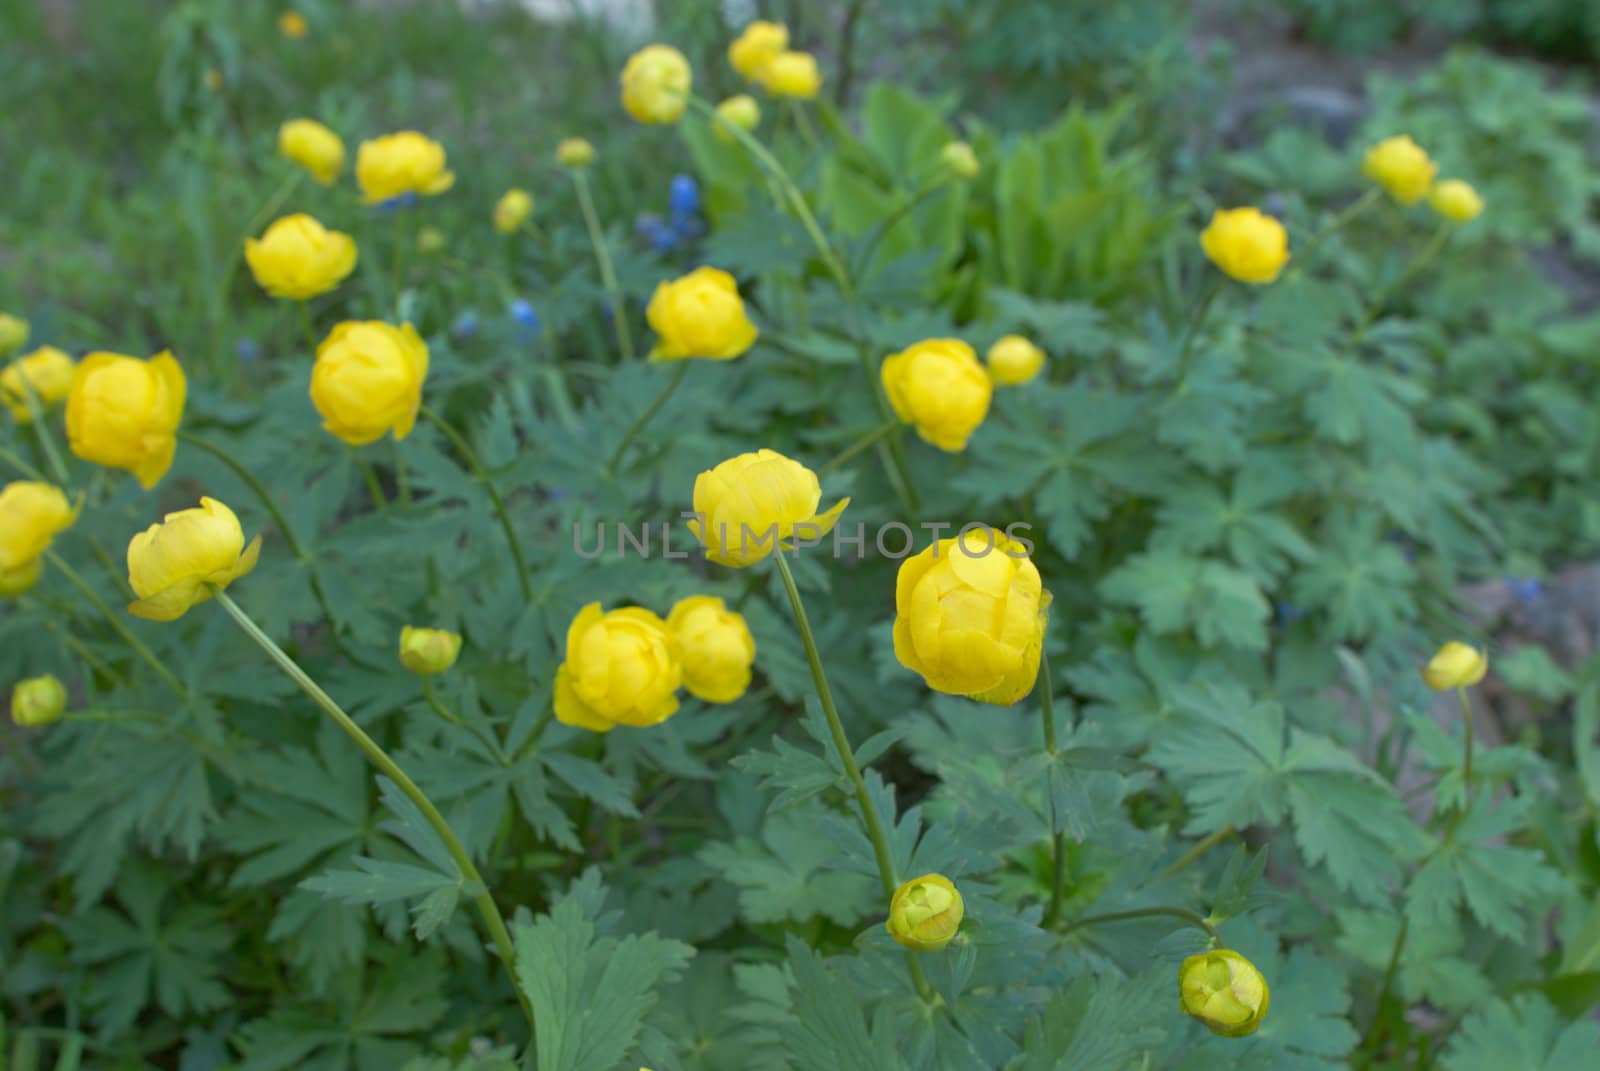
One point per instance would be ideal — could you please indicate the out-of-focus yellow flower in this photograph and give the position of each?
(925, 913)
(47, 372)
(13, 333)
(293, 25)
(31, 514)
(970, 616)
(427, 651)
(716, 647)
(512, 210)
(622, 668)
(960, 159)
(430, 240)
(15, 581)
(792, 74)
(751, 504)
(1400, 166)
(655, 84)
(758, 45)
(1224, 991)
(939, 386)
(38, 701)
(699, 315)
(176, 564)
(298, 258)
(397, 164)
(1246, 244)
(214, 81)
(314, 147)
(1455, 665)
(1455, 200)
(574, 152)
(124, 413)
(741, 111)
(367, 380)
(1014, 360)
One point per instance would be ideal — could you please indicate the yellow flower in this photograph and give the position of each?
(13, 333)
(741, 111)
(655, 84)
(1400, 166)
(792, 74)
(293, 25)
(314, 147)
(1455, 665)
(925, 913)
(574, 152)
(47, 372)
(1246, 244)
(367, 380)
(512, 210)
(699, 315)
(38, 701)
(214, 80)
(960, 159)
(750, 504)
(1455, 200)
(622, 668)
(758, 45)
(1224, 991)
(16, 581)
(716, 647)
(427, 651)
(299, 258)
(430, 240)
(939, 386)
(124, 413)
(176, 564)
(30, 516)
(396, 164)
(1014, 360)
(970, 616)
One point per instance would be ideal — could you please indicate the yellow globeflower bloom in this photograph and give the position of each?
(1014, 360)
(960, 159)
(367, 380)
(13, 333)
(758, 45)
(1455, 200)
(622, 668)
(47, 372)
(512, 210)
(430, 240)
(298, 258)
(314, 147)
(38, 701)
(1455, 665)
(176, 564)
(1246, 244)
(1224, 991)
(124, 413)
(1400, 166)
(925, 913)
(655, 84)
(792, 74)
(741, 111)
(749, 505)
(398, 164)
(15, 581)
(716, 647)
(700, 315)
(574, 152)
(31, 514)
(293, 25)
(427, 651)
(939, 386)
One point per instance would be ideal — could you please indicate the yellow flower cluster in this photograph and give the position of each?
(761, 54)
(1407, 173)
(46, 373)
(32, 514)
(700, 315)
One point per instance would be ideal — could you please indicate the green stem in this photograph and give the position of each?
(492, 919)
(116, 623)
(802, 121)
(1058, 837)
(22, 466)
(369, 475)
(230, 268)
(402, 479)
(1195, 320)
(867, 441)
(1374, 1035)
(476, 468)
(646, 416)
(47, 442)
(608, 276)
(887, 224)
(307, 326)
(1193, 918)
(1200, 848)
(1338, 223)
(402, 244)
(1466, 749)
(1428, 252)
(459, 722)
(841, 743)
(891, 450)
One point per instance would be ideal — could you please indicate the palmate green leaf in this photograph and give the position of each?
(1524, 1033)
(1362, 581)
(785, 875)
(1433, 962)
(501, 1059)
(1110, 1024)
(1199, 518)
(1205, 418)
(827, 1028)
(1173, 592)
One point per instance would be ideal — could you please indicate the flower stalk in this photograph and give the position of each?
(470, 459)
(608, 275)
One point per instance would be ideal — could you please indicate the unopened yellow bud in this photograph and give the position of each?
(1224, 991)
(38, 701)
(427, 651)
(1456, 665)
(925, 913)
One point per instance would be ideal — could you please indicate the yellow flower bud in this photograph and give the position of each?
(925, 913)
(124, 413)
(178, 563)
(970, 615)
(314, 147)
(939, 386)
(293, 25)
(367, 380)
(38, 701)
(741, 111)
(14, 582)
(699, 315)
(512, 210)
(299, 258)
(1455, 200)
(1246, 244)
(430, 240)
(574, 152)
(47, 372)
(622, 668)
(655, 84)
(960, 159)
(427, 651)
(716, 647)
(396, 164)
(1455, 665)
(792, 74)
(757, 46)
(750, 504)
(1224, 991)
(13, 333)
(214, 80)
(1013, 361)
(31, 514)
(1400, 166)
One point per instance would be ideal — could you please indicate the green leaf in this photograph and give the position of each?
(785, 874)
(1101, 1024)
(1523, 1033)
(1173, 592)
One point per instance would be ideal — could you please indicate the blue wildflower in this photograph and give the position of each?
(523, 313)
(247, 349)
(404, 200)
(684, 198)
(1526, 589)
(466, 324)
(653, 229)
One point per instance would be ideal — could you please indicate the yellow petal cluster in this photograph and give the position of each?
(574, 152)
(512, 210)
(293, 25)
(758, 45)
(427, 651)
(31, 515)
(792, 74)
(178, 563)
(741, 111)
(939, 386)
(1224, 991)
(1455, 200)
(367, 380)
(1402, 167)
(925, 913)
(124, 413)
(398, 164)
(38, 701)
(1014, 360)
(1455, 665)
(298, 258)
(751, 504)
(46, 372)
(1246, 244)
(13, 333)
(314, 147)
(716, 647)
(622, 668)
(655, 84)
(700, 315)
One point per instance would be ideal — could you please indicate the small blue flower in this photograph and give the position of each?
(404, 200)
(523, 313)
(1288, 614)
(684, 197)
(662, 238)
(1526, 589)
(247, 349)
(466, 324)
